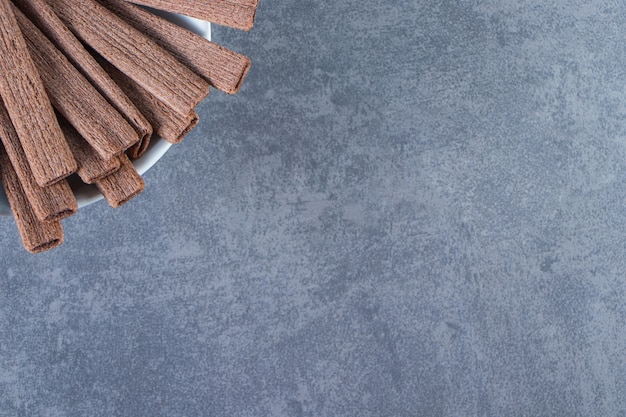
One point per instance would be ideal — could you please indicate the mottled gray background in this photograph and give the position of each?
(412, 208)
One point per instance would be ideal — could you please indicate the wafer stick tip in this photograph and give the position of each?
(136, 151)
(126, 199)
(46, 246)
(192, 123)
(244, 73)
(64, 214)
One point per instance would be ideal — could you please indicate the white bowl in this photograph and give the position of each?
(88, 194)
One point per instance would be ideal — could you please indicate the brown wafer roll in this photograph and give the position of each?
(221, 67)
(133, 53)
(53, 202)
(74, 96)
(91, 166)
(140, 148)
(123, 185)
(40, 13)
(29, 108)
(236, 14)
(167, 123)
(37, 236)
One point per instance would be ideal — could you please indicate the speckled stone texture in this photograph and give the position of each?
(412, 208)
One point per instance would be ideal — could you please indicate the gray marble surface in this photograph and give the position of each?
(412, 208)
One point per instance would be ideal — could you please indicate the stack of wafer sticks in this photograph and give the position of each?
(85, 85)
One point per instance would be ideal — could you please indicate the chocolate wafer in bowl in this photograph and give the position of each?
(42, 16)
(37, 235)
(97, 91)
(134, 53)
(75, 97)
(53, 202)
(221, 67)
(87, 194)
(238, 14)
(28, 106)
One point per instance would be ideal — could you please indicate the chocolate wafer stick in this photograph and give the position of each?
(91, 166)
(235, 14)
(221, 67)
(29, 108)
(167, 123)
(75, 98)
(123, 185)
(54, 202)
(37, 236)
(251, 3)
(40, 13)
(134, 53)
(51, 203)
